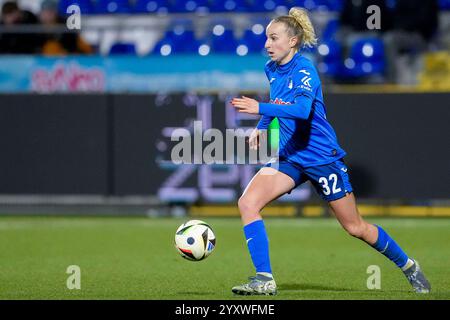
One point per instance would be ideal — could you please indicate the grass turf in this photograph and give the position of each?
(134, 258)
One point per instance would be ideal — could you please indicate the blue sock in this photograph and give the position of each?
(258, 245)
(387, 246)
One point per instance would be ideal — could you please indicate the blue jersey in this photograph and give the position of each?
(306, 136)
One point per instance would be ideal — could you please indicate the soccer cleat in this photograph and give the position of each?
(258, 285)
(417, 279)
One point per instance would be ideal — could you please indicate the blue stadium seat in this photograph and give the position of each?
(188, 5)
(86, 6)
(204, 47)
(163, 47)
(254, 39)
(330, 29)
(151, 6)
(330, 58)
(112, 6)
(222, 40)
(444, 4)
(329, 5)
(366, 58)
(265, 5)
(308, 4)
(177, 41)
(122, 49)
(228, 6)
(335, 5)
(325, 5)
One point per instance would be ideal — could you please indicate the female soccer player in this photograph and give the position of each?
(308, 150)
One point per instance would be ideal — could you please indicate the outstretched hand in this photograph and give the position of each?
(246, 105)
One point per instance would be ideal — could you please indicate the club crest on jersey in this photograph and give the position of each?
(290, 85)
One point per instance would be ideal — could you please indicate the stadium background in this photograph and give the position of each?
(86, 117)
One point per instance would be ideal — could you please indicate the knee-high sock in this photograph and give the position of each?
(387, 246)
(258, 245)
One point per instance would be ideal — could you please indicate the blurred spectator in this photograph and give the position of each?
(414, 28)
(61, 43)
(14, 41)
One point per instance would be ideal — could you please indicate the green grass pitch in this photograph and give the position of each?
(134, 258)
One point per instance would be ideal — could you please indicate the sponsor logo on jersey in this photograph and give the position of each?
(305, 72)
(305, 80)
(278, 101)
(306, 85)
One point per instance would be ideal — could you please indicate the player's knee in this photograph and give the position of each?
(356, 230)
(248, 206)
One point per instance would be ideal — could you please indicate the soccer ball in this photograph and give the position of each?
(195, 240)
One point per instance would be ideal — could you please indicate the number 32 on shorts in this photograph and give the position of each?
(331, 181)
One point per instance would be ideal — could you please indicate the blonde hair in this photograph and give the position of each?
(299, 25)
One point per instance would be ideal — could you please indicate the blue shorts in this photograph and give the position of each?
(331, 181)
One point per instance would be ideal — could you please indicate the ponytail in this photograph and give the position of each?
(301, 17)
